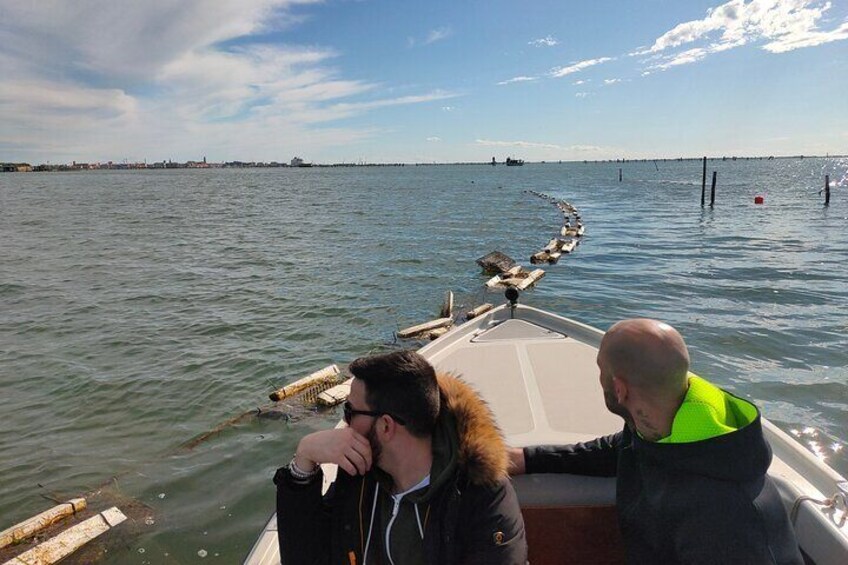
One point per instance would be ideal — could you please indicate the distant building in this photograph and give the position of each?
(15, 168)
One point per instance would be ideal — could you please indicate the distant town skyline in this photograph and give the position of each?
(376, 81)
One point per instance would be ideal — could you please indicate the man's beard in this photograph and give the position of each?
(376, 448)
(617, 409)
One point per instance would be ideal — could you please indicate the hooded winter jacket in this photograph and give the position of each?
(699, 496)
(469, 513)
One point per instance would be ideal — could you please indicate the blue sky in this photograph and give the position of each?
(398, 81)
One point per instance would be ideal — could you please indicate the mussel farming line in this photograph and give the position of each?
(572, 231)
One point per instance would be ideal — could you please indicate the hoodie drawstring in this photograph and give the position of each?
(418, 518)
(371, 526)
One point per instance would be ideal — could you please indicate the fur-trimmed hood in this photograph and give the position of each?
(481, 449)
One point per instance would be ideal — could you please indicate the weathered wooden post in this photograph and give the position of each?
(704, 183)
(619, 175)
(712, 190)
(827, 190)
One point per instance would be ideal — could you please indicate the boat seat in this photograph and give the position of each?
(570, 519)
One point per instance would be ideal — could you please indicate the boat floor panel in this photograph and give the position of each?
(541, 390)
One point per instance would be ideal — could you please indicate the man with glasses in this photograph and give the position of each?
(422, 476)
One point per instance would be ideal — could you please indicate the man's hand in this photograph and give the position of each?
(342, 446)
(517, 464)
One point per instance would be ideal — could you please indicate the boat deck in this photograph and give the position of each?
(541, 383)
(537, 371)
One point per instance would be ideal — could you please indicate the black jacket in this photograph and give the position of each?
(471, 513)
(707, 501)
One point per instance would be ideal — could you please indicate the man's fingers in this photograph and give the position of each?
(363, 450)
(349, 467)
(362, 463)
(359, 439)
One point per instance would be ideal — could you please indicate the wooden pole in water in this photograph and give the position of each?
(57, 548)
(704, 183)
(712, 190)
(827, 190)
(30, 527)
(619, 175)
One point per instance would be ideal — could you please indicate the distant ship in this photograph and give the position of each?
(514, 162)
(298, 162)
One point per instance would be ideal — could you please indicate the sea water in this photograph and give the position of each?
(141, 309)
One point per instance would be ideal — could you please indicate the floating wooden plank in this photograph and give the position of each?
(554, 257)
(552, 245)
(512, 281)
(70, 540)
(437, 333)
(335, 395)
(426, 326)
(531, 279)
(540, 257)
(325, 375)
(37, 523)
(479, 310)
(581, 230)
(499, 279)
(569, 247)
(447, 306)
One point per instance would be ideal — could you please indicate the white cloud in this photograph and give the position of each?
(434, 139)
(97, 80)
(448, 108)
(437, 35)
(612, 80)
(544, 42)
(30, 99)
(414, 99)
(536, 145)
(126, 38)
(792, 41)
(517, 79)
(577, 67)
(777, 25)
(432, 36)
(581, 94)
(579, 82)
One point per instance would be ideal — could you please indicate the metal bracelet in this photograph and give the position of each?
(299, 474)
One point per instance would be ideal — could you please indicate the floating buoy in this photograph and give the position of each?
(758, 199)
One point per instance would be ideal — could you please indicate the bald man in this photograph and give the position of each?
(690, 462)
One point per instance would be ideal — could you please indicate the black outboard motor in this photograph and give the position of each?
(512, 295)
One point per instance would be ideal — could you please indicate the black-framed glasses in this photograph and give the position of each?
(349, 413)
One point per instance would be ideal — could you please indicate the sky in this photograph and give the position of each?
(382, 81)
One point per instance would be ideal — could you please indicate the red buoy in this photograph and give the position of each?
(758, 199)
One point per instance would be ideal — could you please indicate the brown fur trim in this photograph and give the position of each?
(482, 449)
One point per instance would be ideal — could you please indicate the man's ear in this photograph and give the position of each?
(620, 389)
(386, 426)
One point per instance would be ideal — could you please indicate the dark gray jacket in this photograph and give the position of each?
(704, 502)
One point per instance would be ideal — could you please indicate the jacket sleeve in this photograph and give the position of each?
(598, 457)
(301, 521)
(493, 527)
